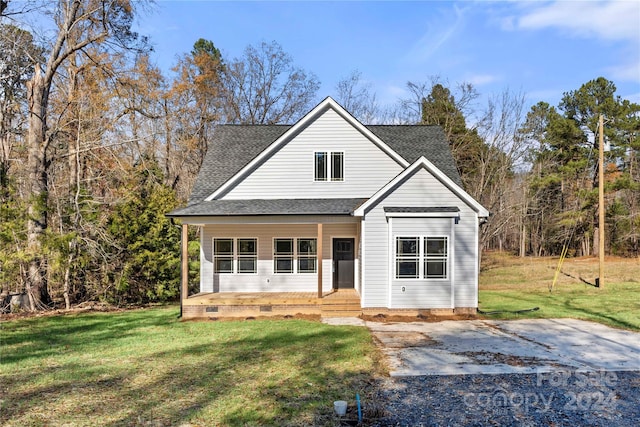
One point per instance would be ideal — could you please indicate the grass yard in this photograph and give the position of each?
(512, 283)
(146, 368)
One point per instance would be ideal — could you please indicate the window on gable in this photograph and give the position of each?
(337, 166)
(320, 166)
(328, 166)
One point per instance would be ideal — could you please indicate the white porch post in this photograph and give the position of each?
(319, 249)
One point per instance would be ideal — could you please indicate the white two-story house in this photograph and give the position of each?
(292, 215)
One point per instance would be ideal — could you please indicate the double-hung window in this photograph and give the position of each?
(223, 255)
(235, 255)
(328, 166)
(247, 255)
(307, 256)
(283, 255)
(407, 258)
(295, 255)
(421, 257)
(435, 260)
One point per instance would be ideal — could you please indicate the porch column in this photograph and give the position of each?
(319, 249)
(184, 276)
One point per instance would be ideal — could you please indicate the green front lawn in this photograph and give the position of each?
(510, 283)
(145, 367)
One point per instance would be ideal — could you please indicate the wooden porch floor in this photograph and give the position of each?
(254, 298)
(345, 302)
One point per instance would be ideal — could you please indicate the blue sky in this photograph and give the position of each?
(540, 48)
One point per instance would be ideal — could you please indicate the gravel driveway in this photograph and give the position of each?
(558, 372)
(598, 399)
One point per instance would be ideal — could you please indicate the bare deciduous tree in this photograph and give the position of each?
(80, 24)
(264, 87)
(356, 97)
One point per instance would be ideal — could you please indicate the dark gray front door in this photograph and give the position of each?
(343, 265)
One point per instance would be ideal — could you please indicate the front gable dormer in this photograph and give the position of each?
(328, 153)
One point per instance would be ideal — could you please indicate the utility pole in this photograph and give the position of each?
(600, 281)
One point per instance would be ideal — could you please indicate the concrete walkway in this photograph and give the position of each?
(505, 347)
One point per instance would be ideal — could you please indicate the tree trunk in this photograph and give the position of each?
(37, 164)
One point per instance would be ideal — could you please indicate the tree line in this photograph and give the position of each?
(97, 144)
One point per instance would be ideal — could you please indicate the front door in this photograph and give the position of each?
(343, 263)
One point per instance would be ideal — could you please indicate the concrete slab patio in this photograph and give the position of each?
(505, 347)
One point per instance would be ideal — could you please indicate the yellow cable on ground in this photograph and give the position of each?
(563, 255)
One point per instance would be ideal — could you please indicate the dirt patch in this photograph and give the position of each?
(489, 358)
(384, 318)
(85, 307)
(396, 339)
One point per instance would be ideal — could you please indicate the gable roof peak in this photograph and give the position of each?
(285, 137)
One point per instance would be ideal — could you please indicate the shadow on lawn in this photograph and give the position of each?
(52, 335)
(601, 316)
(271, 376)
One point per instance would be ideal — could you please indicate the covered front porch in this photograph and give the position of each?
(335, 303)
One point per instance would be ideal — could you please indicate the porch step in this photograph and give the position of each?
(343, 303)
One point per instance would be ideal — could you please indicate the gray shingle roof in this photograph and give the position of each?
(234, 146)
(419, 209)
(271, 207)
(413, 141)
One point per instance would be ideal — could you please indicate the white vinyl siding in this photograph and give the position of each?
(289, 172)
(421, 189)
(265, 280)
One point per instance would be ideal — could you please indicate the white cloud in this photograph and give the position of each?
(438, 33)
(481, 79)
(632, 97)
(609, 20)
(628, 72)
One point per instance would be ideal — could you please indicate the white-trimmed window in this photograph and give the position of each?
(422, 257)
(435, 260)
(407, 257)
(247, 255)
(307, 255)
(283, 255)
(235, 255)
(295, 255)
(328, 166)
(223, 255)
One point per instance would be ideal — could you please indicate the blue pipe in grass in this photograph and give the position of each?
(359, 408)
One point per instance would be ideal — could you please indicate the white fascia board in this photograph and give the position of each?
(422, 162)
(328, 102)
(422, 214)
